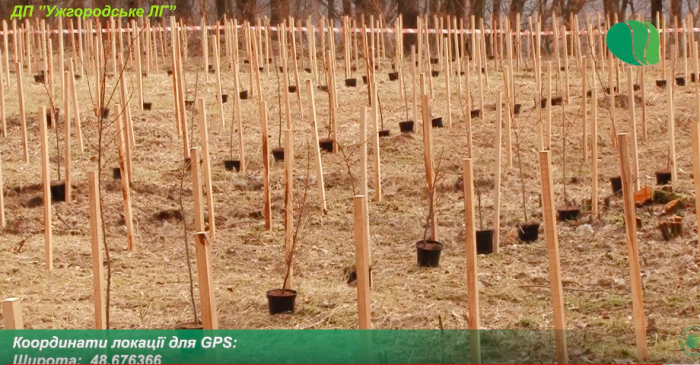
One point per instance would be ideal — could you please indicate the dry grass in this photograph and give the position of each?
(150, 285)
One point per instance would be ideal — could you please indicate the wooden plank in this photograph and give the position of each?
(206, 162)
(46, 174)
(12, 314)
(633, 250)
(96, 241)
(557, 292)
(362, 263)
(375, 130)
(472, 267)
(316, 148)
(497, 178)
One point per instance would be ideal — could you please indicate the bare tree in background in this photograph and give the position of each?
(409, 11)
(279, 10)
(657, 6)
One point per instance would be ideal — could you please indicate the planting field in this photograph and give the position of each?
(150, 287)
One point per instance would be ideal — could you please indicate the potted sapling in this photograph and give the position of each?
(282, 300)
(429, 249)
(528, 231)
(406, 126)
(232, 164)
(484, 237)
(570, 211)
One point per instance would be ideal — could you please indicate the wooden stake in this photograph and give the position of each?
(217, 68)
(633, 129)
(98, 296)
(46, 173)
(548, 142)
(448, 71)
(472, 270)
(317, 151)
(671, 133)
(363, 150)
(553, 258)
(611, 99)
(497, 178)
(76, 109)
(288, 207)
(362, 263)
(6, 49)
(695, 145)
(332, 100)
(204, 138)
(631, 227)
(139, 72)
(22, 120)
(594, 148)
(203, 251)
(67, 138)
(12, 314)
(508, 115)
(375, 130)
(584, 107)
(267, 206)
(3, 123)
(123, 150)
(429, 163)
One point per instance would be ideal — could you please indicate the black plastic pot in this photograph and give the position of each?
(428, 253)
(393, 76)
(105, 113)
(189, 103)
(663, 177)
(543, 103)
(484, 241)
(278, 153)
(243, 95)
(616, 183)
(384, 133)
(589, 93)
(261, 69)
(116, 173)
(569, 213)
(58, 192)
(307, 70)
(434, 61)
(637, 87)
(232, 165)
(170, 72)
(292, 88)
(693, 77)
(352, 276)
(224, 98)
(528, 232)
(680, 81)
(364, 80)
(49, 117)
(437, 122)
(517, 108)
(323, 88)
(147, 106)
(326, 144)
(351, 82)
(607, 89)
(77, 76)
(557, 100)
(281, 300)
(406, 126)
(281, 69)
(39, 78)
(661, 83)
(476, 113)
(435, 73)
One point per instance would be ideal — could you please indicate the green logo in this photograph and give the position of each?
(634, 42)
(689, 341)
